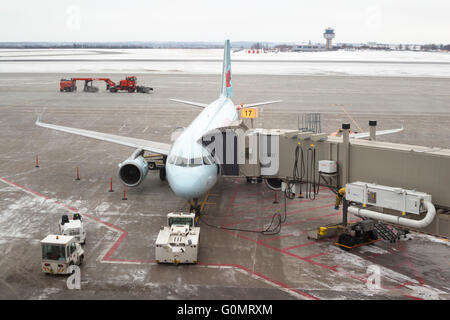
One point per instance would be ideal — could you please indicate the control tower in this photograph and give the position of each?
(329, 36)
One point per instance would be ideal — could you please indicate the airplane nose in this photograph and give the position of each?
(188, 183)
(186, 186)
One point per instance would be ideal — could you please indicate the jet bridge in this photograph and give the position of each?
(425, 169)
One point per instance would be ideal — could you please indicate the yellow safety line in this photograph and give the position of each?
(338, 244)
(356, 245)
(356, 124)
(205, 201)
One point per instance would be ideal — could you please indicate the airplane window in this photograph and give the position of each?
(182, 162)
(172, 159)
(195, 162)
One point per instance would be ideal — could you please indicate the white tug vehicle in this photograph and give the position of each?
(59, 252)
(73, 227)
(178, 241)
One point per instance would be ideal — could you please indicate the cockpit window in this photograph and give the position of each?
(181, 161)
(195, 162)
(192, 162)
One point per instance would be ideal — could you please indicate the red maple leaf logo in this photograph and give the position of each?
(228, 78)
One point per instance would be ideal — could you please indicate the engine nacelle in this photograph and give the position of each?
(273, 183)
(133, 171)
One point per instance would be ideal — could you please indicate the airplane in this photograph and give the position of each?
(191, 170)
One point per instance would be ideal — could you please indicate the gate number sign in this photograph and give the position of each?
(251, 113)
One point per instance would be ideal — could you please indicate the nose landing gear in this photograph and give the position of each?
(194, 206)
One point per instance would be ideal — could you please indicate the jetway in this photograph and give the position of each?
(425, 169)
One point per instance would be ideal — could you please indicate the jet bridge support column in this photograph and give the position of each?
(346, 152)
(344, 212)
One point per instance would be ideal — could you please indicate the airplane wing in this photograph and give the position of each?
(251, 105)
(378, 133)
(151, 146)
(197, 104)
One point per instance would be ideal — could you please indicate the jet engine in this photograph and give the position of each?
(133, 170)
(273, 183)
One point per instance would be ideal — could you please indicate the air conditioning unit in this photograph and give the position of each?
(386, 197)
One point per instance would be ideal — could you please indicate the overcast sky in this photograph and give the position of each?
(388, 21)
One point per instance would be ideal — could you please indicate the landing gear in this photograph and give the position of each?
(194, 206)
(162, 174)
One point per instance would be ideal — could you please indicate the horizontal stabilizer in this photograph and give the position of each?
(251, 105)
(197, 104)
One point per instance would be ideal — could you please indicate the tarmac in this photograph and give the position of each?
(119, 261)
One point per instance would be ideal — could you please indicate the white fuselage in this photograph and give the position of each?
(189, 174)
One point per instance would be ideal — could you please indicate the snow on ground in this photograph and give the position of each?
(431, 238)
(217, 54)
(342, 62)
(389, 278)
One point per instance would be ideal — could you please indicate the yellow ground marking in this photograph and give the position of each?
(205, 201)
(348, 115)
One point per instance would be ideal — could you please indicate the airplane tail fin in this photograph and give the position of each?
(227, 89)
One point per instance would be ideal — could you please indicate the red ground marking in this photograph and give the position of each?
(301, 245)
(280, 250)
(128, 260)
(299, 200)
(251, 202)
(412, 297)
(253, 194)
(278, 237)
(290, 202)
(411, 264)
(317, 255)
(231, 200)
(407, 283)
(278, 283)
(311, 219)
(24, 188)
(116, 244)
(288, 214)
